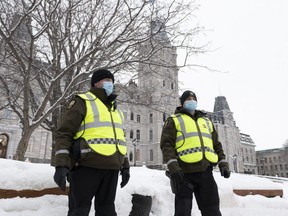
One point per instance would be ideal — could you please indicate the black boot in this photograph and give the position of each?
(141, 205)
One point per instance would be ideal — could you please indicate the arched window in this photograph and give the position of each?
(150, 135)
(131, 134)
(131, 156)
(151, 117)
(4, 139)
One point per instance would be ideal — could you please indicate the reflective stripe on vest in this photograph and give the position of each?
(102, 129)
(194, 139)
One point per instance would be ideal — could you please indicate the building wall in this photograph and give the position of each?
(229, 137)
(39, 147)
(248, 154)
(273, 162)
(235, 143)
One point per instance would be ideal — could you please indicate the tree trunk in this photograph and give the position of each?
(22, 146)
(52, 162)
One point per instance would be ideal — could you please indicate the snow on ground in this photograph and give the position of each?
(21, 175)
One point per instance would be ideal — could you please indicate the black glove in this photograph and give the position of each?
(224, 169)
(125, 172)
(176, 181)
(60, 175)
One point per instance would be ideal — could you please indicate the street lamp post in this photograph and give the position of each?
(234, 158)
(262, 159)
(134, 143)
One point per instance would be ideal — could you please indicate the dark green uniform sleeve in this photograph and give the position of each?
(126, 163)
(217, 145)
(168, 140)
(67, 129)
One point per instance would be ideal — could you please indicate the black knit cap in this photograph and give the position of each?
(101, 74)
(185, 95)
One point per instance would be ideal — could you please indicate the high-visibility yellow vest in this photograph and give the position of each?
(194, 139)
(102, 129)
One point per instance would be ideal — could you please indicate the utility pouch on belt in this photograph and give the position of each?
(75, 150)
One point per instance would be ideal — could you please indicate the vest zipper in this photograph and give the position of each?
(201, 139)
(113, 125)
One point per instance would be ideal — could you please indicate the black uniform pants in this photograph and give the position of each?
(206, 193)
(87, 183)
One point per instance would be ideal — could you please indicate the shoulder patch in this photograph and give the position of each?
(71, 104)
(165, 124)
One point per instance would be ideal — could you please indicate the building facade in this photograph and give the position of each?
(40, 143)
(149, 100)
(235, 143)
(273, 162)
(248, 154)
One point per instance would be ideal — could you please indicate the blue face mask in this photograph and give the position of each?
(190, 105)
(108, 86)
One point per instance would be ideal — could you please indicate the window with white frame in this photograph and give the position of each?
(138, 118)
(138, 134)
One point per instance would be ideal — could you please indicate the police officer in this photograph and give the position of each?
(191, 148)
(94, 125)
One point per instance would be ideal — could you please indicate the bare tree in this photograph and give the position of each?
(48, 49)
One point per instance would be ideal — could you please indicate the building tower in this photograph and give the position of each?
(151, 99)
(228, 132)
(159, 78)
(239, 148)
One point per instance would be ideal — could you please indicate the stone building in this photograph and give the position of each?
(39, 148)
(239, 148)
(229, 134)
(273, 162)
(248, 154)
(149, 100)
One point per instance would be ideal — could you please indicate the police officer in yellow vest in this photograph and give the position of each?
(191, 149)
(94, 125)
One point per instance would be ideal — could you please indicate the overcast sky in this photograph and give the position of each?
(250, 43)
